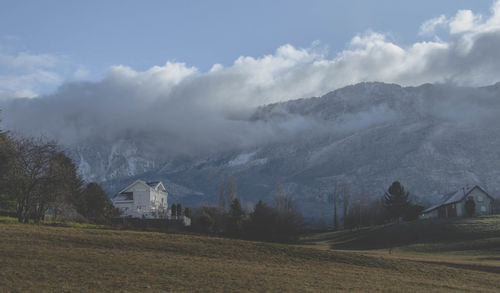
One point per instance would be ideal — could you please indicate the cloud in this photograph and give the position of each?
(23, 75)
(29, 75)
(189, 110)
(81, 73)
(429, 26)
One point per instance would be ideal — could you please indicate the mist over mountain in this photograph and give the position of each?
(433, 138)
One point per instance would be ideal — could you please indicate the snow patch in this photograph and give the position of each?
(241, 159)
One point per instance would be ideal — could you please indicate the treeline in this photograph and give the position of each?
(38, 180)
(360, 210)
(279, 222)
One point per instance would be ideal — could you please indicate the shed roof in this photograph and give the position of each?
(454, 197)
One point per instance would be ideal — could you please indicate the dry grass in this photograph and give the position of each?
(433, 231)
(69, 259)
(468, 243)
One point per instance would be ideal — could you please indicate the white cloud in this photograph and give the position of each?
(81, 73)
(179, 101)
(30, 75)
(464, 21)
(25, 75)
(429, 26)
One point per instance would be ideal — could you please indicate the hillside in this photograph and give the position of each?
(481, 233)
(57, 259)
(433, 138)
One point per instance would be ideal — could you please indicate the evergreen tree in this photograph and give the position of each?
(262, 222)
(95, 204)
(173, 210)
(396, 201)
(187, 212)
(234, 225)
(470, 207)
(179, 210)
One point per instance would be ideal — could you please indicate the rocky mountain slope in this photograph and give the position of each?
(432, 138)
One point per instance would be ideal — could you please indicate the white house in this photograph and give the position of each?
(453, 204)
(143, 199)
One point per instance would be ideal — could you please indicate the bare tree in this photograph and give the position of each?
(334, 197)
(221, 197)
(230, 189)
(346, 198)
(282, 201)
(31, 179)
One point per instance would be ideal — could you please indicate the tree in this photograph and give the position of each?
(346, 199)
(289, 222)
(234, 221)
(66, 187)
(204, 219)
(396, 201)
(226, 192)
(7, 201)
(412, 212)
(230, 189)
(470, 207)
(282, 201)
(333, 199)
(31, 179)
(221, 197)
(187, 212)
(262, 222)
(95, 205)
(179, 210)
(173, 210)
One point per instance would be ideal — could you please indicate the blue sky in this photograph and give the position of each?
(85, 38)
(190, 69)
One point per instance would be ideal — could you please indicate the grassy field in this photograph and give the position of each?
(90, 259)
(432, 231)
(467, 243)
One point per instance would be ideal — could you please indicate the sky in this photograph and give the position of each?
(189, 74)
(45, 44)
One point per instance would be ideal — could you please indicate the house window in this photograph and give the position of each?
(483, 209)
(480, 198)
(128, 195)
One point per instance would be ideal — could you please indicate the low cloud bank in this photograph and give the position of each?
(184, 110)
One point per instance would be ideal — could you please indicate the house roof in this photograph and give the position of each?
(151, 184)
(454, 197)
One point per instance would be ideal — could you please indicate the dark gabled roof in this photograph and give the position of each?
(153, 184)
(455, 196)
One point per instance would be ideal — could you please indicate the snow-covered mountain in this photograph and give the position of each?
(432, 138)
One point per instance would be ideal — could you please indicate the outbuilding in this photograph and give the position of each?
(467, 201)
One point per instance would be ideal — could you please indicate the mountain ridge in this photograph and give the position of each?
(432, 138)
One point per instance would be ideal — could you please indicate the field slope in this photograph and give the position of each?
(60, 259)
(431, 231)
(468, 243)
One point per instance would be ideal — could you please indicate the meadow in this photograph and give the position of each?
(469, 243)
(44, 258)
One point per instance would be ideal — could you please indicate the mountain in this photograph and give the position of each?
(432, 138)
